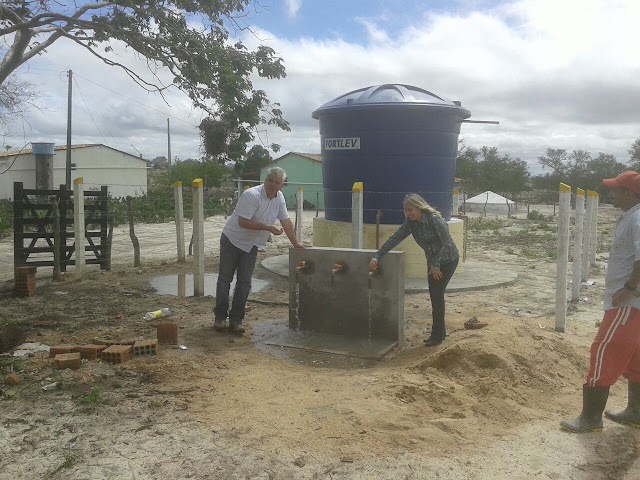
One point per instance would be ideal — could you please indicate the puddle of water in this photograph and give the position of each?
(181, 284)
(264, 330)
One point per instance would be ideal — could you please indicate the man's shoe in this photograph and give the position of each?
(237, 329)
(220, 326)
(432, 342)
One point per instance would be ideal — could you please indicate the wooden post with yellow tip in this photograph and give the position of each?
(79, 225)
(577, 245)
(177, 196)
(198, 237)
(564, 214)
(357, 210)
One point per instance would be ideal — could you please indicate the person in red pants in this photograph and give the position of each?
(615, 350)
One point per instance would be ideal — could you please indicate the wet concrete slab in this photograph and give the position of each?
(471, 275)
(181, 284)
(318, 349)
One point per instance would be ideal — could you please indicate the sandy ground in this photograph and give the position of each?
(485, 404)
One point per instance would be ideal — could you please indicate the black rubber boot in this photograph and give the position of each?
(594, 400)
(631, 415)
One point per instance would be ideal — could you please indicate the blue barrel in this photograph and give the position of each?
(395, 139)
(42, 148)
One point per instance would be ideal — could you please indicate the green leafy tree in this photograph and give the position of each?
(256, 159)
(467, 167)
(571, 169)
(188, 38)
(634, 152)
(159, 163)
(603, 166)
(188, 170)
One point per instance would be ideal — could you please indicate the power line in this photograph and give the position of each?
(136, 101)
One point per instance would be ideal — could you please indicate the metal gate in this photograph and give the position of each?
(33, 223)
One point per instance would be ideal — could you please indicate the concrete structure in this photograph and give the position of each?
(330, 233)
(301, 168)
(123, 173)
(333, 293)
(490, 203)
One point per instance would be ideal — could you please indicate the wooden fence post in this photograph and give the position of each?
(563, 256)
(198, 237)
(132, 234)
(577, 245)
(357, 211)
(177, 195)
(79, 224)
(55, 214)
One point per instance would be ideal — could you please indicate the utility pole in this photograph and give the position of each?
(169, 142)
(68, 164)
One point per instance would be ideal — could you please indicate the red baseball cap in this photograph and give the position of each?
(628, 179)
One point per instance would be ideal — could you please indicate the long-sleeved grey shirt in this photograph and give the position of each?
(431, 233)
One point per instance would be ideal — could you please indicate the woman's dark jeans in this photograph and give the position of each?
(436, 292)
(233, 260)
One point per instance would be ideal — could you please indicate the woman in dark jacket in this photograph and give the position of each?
(430, 232)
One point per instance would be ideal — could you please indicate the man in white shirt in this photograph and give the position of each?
(246, 231)
(615, 351)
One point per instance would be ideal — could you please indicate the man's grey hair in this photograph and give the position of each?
(277, 172)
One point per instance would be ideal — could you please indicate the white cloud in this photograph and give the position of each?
(293, 7)
(561, 74)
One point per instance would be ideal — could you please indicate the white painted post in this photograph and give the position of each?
(357, 211)
(79, 224)
(299, 213)
(577, 245)
(594, 229)
(586, 248)
(198, 237)
(456, 201)
(564, 215)
(177, 196)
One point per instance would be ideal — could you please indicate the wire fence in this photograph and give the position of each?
(528, 230)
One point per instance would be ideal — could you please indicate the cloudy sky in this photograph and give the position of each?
(554, 73)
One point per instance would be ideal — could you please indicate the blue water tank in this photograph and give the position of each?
(395, 139)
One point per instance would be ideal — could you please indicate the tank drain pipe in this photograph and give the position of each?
(378, 217)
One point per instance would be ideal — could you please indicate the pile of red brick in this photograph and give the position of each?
(70, 356)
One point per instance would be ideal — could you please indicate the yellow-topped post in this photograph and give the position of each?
(78, 225)
(588, 242)
(357, 215)
(198, 237)
(177, 199)
(564, 215)
(577, 245)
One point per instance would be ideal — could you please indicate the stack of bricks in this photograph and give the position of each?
(25, 281)
(145, 347)
(117, 353)
(91, 351)
(58, 349)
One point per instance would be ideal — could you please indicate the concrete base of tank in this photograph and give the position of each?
(329, 233)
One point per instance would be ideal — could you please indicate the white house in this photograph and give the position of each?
(124, 174)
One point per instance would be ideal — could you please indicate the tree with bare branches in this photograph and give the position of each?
(188, 38)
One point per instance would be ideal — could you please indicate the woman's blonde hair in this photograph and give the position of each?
(416, 201)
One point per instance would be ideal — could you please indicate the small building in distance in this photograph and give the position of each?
(301, 168)
(124, 174)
